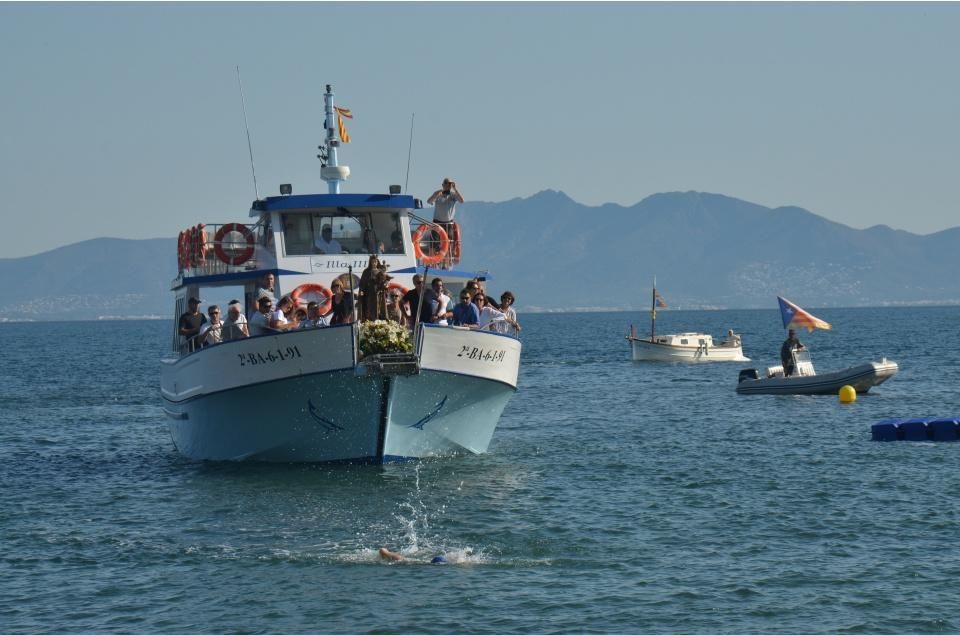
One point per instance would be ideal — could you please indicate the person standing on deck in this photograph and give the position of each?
(444, 203)
(266, 287)
(259, 320)
(235, 326)
(212, 331)
(421, 297)
(190, 324)
(791, 344)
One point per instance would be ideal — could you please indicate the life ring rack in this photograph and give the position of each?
(312, 288)
(236, 258)
(438, 257)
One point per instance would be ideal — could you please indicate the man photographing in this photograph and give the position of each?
(444, 203)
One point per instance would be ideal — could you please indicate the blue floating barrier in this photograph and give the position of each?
(945, 429)
(887, 430)
(915, 430)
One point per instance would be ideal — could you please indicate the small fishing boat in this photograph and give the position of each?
(682, 347)
(861, 377)
(802, 378)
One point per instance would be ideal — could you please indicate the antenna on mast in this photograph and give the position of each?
(330, 169)
(409, 152)
(243, 107)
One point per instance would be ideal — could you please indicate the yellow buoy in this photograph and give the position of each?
(847, 394)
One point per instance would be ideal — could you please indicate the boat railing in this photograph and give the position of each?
(389, 364)
(205, 250)
(428, 243)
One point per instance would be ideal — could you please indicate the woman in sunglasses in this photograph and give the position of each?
(395, 307)
(508, 326)
(489, 316)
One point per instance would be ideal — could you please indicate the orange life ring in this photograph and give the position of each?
(203, 237)
(437, 258)
(239, 258)
(314, 289)
(198, 247)
(455, 243)
(182, 251)
(190, 245)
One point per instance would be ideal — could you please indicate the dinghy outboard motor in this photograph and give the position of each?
(748, 373)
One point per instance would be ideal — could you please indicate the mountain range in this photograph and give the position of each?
(706, 250)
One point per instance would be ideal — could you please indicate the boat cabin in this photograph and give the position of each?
(310, 241)
(685, 339)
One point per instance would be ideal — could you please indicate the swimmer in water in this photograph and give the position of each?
(386, 554)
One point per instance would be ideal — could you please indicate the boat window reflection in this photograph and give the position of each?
(355, 233)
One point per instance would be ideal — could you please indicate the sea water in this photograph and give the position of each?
(616, 497)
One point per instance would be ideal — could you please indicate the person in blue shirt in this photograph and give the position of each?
(466, 312)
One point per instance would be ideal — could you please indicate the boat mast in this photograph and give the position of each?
(653, 309)
(332, 172)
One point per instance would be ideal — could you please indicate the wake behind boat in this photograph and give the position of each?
(355, 392)
(796, 374)
(682, 347)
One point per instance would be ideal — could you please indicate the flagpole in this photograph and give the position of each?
(653, 310)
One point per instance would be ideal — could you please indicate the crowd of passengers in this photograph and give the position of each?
(475, 310)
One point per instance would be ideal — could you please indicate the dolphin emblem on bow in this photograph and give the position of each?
(330, 426)
(419, 424)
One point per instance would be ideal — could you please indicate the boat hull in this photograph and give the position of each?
(862, 378)
(643, 350)
(325, 407)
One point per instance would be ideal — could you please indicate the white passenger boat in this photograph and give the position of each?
(682, 347)
(310, 395)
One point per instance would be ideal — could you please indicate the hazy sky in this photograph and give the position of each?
(124, 119)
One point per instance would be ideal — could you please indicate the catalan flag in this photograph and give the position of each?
(341, 113)
(658, 301)
(793, 317)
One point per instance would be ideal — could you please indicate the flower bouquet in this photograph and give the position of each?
(383, 336)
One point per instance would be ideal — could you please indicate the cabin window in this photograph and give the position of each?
(387, 236)
(684, 341)
(360, 233)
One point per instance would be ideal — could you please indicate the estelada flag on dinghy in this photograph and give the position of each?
(793, 316)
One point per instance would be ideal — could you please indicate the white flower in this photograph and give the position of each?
(383, 336)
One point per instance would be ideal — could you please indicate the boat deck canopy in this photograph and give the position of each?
(221, 279)
(447, 273)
